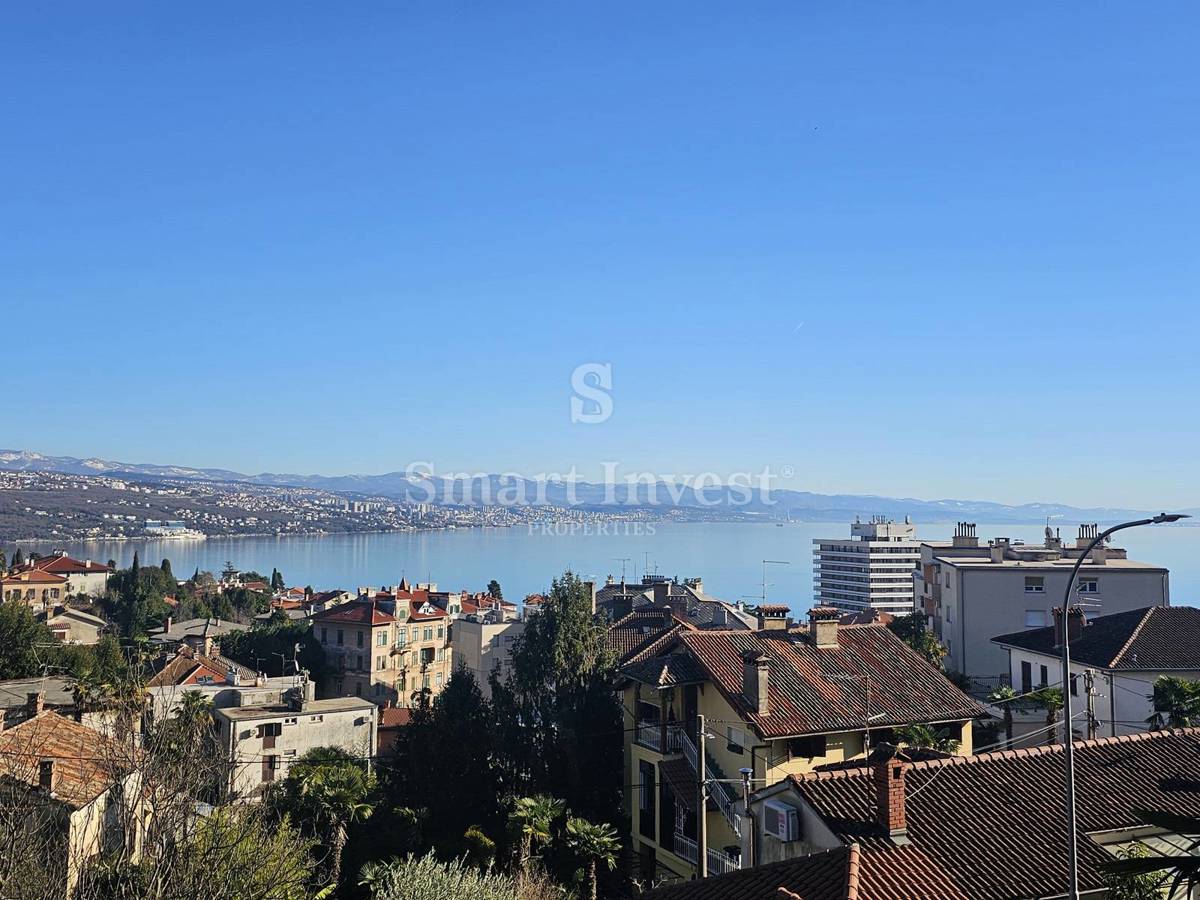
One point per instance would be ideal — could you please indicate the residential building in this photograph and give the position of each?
(617, 599)
(74, 626)
(261, 740)
(202, 635)
(778, 701)
(386, 648)
(985, 827)
(221, 680)
(83, 577)
(872, 569)
(1118, 656)
(392, 720)
(39, 590)
(24, 698)
(971, 593)
(644, 633)
(482, 643)
(80, 792)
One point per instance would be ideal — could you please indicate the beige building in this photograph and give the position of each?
(483, 642)
(386, 649)
(82, 796)
(261, 740)
(74, 626)
(972, 593)
(37, 589)
(777, 701)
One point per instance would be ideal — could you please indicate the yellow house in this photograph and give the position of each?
(774, 702)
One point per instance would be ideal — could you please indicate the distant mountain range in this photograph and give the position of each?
(739, 502)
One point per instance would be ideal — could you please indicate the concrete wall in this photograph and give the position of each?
(483, 647)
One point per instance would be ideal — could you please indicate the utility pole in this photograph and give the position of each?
(702, 813)
(747, 818)
(1089, 677)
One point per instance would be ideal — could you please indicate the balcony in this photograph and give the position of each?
(650, 735)
(718, 861)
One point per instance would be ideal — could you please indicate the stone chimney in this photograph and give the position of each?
(964, 535)
(823, 626)
(1099, 555)
(1075, 623)
(662, 593)
(997, 548)
(47, 775)
(888, 772)
(771, 617)
(35, 702)
(755, 679)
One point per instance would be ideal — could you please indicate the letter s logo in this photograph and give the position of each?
(591, 402)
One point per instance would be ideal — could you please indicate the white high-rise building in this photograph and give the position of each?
(872, 569)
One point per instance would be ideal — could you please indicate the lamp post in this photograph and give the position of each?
(1068, 737)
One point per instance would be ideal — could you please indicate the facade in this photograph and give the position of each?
(39, 590)
(777, 701)
(83, 577)
(971, 593)
(79, 790)
(261, 740)
(386, 648)
(74, 626)
(1117, 657)
(872, 569)
(482, 644)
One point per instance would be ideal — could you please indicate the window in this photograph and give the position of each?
(441, 632)
(1035, 584)
(646, 796)
(381, 638)
(270, 729)
(359, 637)
(1044, 676)
(1035, 618)
(438, 679)
(358, 689)
(736, 740)
(402, 637)
(807, 747)
(340, 637)
(1089, 585)
(441, 653)
(496, 641)
(381, 663)
(359, 660)
(1026, 677)
(428, 635)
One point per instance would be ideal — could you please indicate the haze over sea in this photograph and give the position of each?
(728, 556)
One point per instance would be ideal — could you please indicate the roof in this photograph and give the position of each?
(186, 665)
(423, 609)
(984, 561)
(617, 599)
(85, 761)
(57, 690)
(640, 633)
(991, 823)
(60, 564)
(33, 576)
(195, 628)
(816, 691)
(666, 671)
(1154, 637)
(356, 612)
(394, 716)
(79, 614)
(821, 876)
(311, 707)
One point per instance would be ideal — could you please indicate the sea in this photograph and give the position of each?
(729, 557)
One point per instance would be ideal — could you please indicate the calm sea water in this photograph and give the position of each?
(727, 556)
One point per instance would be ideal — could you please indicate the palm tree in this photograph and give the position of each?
(339, 793)
(1176, 703)
(1004, 696)
(534, 816)
(594, 843)
(1052, 699)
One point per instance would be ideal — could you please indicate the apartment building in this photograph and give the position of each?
(971, 593)
(778, 701)
(386, 648)
(81, 577)
(872, 569)
(265, 732)
(482, 642)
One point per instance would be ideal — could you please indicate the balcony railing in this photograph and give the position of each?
(649, 734)
(717, 789)
(718, 862)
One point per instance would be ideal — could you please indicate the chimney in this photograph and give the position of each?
(755, 677)
(1099, 555)
(662, 593)
(823, 626)
(1075, 623)
(1086, 535)
(170, 622)
(888, 771)
(720, 615)
(997, 549)
(771, 617)
(47, 776)
(964, 535)
(35, 702)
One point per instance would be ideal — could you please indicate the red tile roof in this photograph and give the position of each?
(814, 691)
(65, 565)
(33, 576)
(394, 717)
(433, 610)
(993, 823)
(356, 612)
(86, 762)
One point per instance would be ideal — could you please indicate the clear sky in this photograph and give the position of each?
(914, 249)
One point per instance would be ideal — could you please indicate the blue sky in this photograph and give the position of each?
(911, 249)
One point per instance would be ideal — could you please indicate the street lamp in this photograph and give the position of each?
(1068, 736)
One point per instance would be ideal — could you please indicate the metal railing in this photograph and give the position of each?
(649, 734)
(718, 861)
(717, 789)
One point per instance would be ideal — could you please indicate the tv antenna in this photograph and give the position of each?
(622, 560)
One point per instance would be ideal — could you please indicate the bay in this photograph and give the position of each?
(728, 556)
